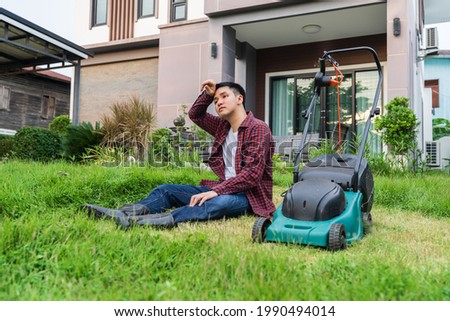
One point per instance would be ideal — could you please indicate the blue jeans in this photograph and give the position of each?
(167, 196)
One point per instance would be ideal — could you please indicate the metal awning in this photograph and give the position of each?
(25, 47)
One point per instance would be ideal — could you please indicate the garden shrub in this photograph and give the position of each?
(399, 125)
(80, 138)
(38, 144)
(6, 145)
(201, 134)
(60, 124)
(182, 147)
(398, 131)
(161, 149)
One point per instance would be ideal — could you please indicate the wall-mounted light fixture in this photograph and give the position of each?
(311, 28)
(397, 27)
(213, 50)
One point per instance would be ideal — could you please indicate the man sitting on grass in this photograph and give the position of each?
(241, 157)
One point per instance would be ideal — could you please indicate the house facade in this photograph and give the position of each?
(161, 51)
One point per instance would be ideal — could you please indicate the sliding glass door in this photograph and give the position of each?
(304, 95)
(365, 87)
(291, 96)
(282, 106)
(339, 117)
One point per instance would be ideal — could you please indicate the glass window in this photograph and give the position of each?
(365, 87)
(283, 107)
(305, 93)
(346, 106)
(146, 8)
(179, 10)
(99, 12)
(290, 98)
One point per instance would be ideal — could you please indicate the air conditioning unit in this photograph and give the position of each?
(432, 38)
(433, 153)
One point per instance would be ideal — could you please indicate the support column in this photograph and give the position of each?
(404, 75)
(222, 67)
(76, 94)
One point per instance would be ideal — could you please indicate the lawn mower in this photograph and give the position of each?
(330, 200)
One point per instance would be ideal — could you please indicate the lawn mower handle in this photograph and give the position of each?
(320, 81)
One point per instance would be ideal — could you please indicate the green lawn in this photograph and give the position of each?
(49, 251)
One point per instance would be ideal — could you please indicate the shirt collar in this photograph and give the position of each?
(248, 120)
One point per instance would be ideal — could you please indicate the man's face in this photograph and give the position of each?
(226, 101)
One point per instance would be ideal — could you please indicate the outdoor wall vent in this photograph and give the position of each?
(433, 153)
(432, 38)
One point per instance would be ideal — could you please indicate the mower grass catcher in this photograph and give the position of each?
(330, 200)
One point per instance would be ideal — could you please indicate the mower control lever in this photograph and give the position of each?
(320, 80)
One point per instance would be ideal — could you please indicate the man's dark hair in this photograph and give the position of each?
(236, 88)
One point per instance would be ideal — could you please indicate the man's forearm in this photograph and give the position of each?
(199, 115)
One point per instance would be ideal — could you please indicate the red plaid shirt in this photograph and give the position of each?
(253, 156)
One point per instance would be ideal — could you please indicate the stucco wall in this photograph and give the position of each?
(184, 54)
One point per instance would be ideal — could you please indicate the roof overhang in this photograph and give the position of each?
(27, 47)
(125, 44)
(330, 24)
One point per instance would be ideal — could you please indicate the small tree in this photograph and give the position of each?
(398, 128)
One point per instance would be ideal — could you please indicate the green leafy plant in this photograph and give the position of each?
(201, 134)
(80, 138)
(105, 156)
(161, 150)
(398, 131)
(60, 124)
(6, 145)
(441, 128)
(181, 147)
(398, 126)
(38, 144)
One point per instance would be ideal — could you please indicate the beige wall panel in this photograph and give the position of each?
(183, 64)
(103, 85)
(398, 78)
(400, 74)
(182, 78)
